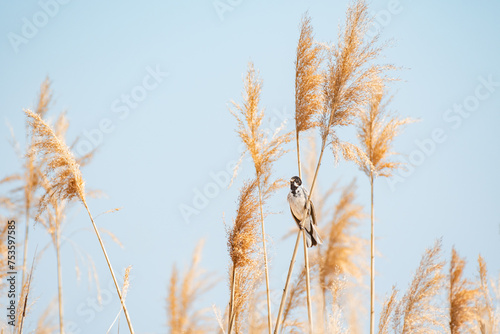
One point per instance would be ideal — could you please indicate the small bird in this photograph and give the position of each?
(297, 199)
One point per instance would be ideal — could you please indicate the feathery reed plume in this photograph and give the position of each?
(183, 293)
(488, 322)
(45, 322)
(55, 213)
(416, 312)
(389, 306)
(307, 82)
(349, 81)
(461, 296)
(243, 238)
(344, 248)
(65, 179)
(376, 131)
(264, 152)
(335, 319)
(32, 170)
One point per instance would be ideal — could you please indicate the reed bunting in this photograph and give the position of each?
(297, 199)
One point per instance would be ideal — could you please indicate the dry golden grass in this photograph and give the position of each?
(351, 77)
(343, 246)
(461, 297)
(263, 149)
(488, 320)
(416, 312)
(243, 239)
(182, 296)
(63, 172)
(65, 181)
(307, 78)
(387, 309)
(377, 130)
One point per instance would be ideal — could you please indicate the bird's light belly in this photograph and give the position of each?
(297, 204)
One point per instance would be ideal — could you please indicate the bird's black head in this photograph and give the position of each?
(295, 182)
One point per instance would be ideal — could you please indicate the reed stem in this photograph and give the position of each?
(285, 290)
(122, 301)
(269, 320)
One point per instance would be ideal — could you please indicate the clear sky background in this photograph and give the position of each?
(158, 153)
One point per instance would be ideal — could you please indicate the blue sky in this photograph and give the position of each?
(149, 83)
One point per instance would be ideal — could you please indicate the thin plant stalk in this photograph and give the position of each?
(25, 252)
(59, 277)
(231, 303)
(372, 264)
(285, 290)
(308, 284)
(268, 292)
(298, 154)
(118, 291)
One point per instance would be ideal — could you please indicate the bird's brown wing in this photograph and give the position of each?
(313, 213)
(296, 220)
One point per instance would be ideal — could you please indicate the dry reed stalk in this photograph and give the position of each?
(376, 131)
(461, 296)
(66, 182)
(416, 313)
(243, 239)
(264, 152)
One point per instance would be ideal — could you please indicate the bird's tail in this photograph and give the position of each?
(312, 236)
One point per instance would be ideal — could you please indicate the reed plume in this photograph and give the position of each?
(416, 312)
(388, 308)
(263, 150)
(182, 296)
(350, 78)
(65, 179)
(376, 131)
(307, 82)
(461, 296)
(488, 321)
(243, 239)
(344, 248)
